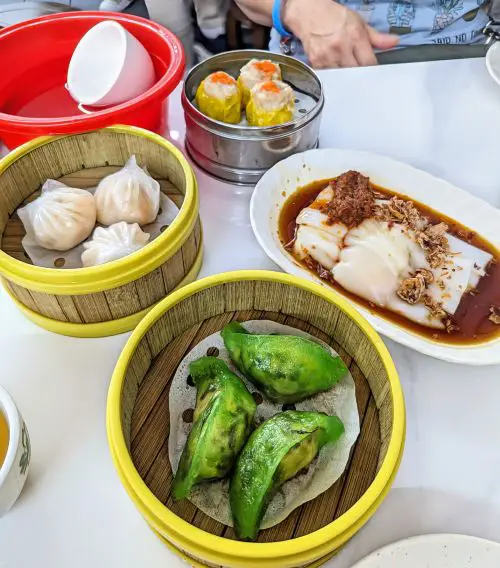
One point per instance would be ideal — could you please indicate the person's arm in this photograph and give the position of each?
(332, 35)
(259, 11)
(211, 16)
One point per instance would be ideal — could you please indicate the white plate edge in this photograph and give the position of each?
(489, 352)
(435, 538)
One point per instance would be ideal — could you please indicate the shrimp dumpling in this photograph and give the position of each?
(130, 195)
(61, 218)
(111, 243)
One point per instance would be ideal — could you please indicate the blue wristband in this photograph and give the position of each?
(277, 23)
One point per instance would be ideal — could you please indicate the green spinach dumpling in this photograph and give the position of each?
(279, 448)
(286, 368)
(223, 420)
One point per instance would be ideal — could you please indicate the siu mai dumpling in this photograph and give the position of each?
(219, 97)
(61, 218)
(111, 243)
(130, 195)
(271, 103)
(254, 72)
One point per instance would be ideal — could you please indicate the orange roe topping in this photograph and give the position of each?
(223, 78)
(266, 67)
(270, 87)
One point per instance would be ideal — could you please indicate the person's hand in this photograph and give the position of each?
(332, 35)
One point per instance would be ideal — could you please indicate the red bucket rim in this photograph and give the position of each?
(164, 86)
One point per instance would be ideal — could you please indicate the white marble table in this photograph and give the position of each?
(444, 117)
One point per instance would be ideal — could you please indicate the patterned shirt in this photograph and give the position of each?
(418, 22)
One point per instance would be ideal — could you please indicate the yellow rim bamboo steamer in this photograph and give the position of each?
(96, 278)
(109, 298)
(340, 541)
(211, 549)
(103, 329)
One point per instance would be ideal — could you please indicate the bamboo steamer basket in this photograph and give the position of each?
(138, 419)
(111, 298)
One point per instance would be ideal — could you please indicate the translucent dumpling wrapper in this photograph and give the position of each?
(213, 498)
(271, 103)
(316, 237)
(254, 72)
(376, 257)
(72, 258)
(129, 195)
(219, 97)
(61, 218)
(111, 243)
(322, 246)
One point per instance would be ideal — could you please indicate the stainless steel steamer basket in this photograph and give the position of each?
(242, 154)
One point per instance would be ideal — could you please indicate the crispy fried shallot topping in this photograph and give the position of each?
(411, 289)
(426, 274)
(435, 308)
(431, 238)
(495, 315)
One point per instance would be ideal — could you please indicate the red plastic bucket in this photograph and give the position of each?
(35, 57)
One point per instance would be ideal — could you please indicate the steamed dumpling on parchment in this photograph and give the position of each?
(129, 195)
(286, 368)
(61, 218)
(114, 242)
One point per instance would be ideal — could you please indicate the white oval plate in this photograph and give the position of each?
(284, 178)
(492, 61)
(436, 551)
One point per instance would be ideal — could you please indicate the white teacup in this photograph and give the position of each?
(14, 469)
(109, 66)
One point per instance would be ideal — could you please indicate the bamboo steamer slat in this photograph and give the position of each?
(111, 298)
(138, 418)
